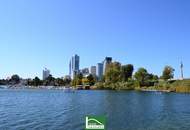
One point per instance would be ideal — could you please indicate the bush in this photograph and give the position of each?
(183, 89)
(130, 85)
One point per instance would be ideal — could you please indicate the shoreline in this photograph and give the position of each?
(74, 88)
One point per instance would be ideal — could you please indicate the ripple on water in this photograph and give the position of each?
(55, 110)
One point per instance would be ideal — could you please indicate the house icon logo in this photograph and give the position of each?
(95, 123)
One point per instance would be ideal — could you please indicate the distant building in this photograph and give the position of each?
(93, 70)
(67, 77)
(74, 66)
(46, 73)
(85, 72)
(99, 71)
(70, 67)
(181, 68)
(106, 62)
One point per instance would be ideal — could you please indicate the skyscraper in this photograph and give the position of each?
(106, 62)
(99, 71)
(74, 66)
(70, 67)
(46, 73)
(93, 70)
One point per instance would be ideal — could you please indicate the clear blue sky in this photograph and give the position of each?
(45, 33)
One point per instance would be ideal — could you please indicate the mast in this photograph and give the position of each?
(181, 68)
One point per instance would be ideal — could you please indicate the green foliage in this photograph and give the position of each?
(15, 79)
(59, 82)
(113, 72)
(66, 81)
(181, 86)
(3, 82)
(100, 85)
(168, 73)
(50, 80)
(91, 79)
(77, 80)
(126, 72)
(173, 85)
(120, 77)
(37, 81)
(144, 78)
(183, 89)
(80, 80)
(141, 75)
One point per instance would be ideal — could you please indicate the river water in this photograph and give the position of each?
(124, 110)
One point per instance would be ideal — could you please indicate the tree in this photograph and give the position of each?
(113, 72)
(141, 75)
(49, 80)
(77, 79)
(67, 81)
(168, 73)
(126, 72)
(59, 82)
(152, 77)
(15, 79)
(37, 81)
(85, 81)
(155, 77)
(91, 79)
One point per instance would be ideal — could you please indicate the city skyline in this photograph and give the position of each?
(102, 62)
(148, 34)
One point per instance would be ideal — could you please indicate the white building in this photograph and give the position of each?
(46, 73)
(93, 70)
(99, 71)
(74, 66)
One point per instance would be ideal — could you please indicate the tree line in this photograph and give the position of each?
(119, 76)
(49, 81)
(116, 76)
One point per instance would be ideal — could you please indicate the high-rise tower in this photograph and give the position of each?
(46, 74)
(74, 66)
(106, 62)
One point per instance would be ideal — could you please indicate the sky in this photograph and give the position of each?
(45, 33)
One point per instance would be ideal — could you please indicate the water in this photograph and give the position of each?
(124, 110)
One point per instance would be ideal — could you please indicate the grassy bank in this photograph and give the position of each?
(175, 86)
(182, 86)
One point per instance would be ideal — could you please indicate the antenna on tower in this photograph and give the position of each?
(181, 68)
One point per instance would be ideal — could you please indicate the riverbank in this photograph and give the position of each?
(179, 86)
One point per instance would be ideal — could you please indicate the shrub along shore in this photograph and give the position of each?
(182, 86)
